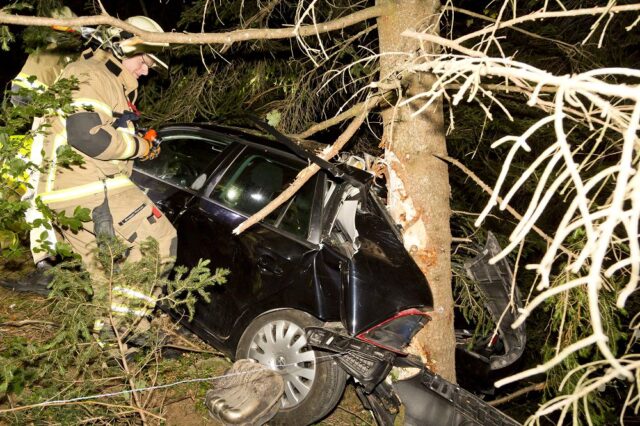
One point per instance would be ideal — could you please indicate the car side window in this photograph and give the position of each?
(254, 180)
(184, 161)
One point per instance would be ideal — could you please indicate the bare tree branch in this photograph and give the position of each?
(486, 188)
(542, 14)
(203, 38)
(451, 44)
(350, 113)
(57, 404)
(308, 172)
(26, 322)
(536, 387)
(520, 30)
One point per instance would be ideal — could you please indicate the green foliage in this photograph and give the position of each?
(35, 39)
(570, 322)
(16, 137)
(6, 36)
(70, 362)
(470, 303)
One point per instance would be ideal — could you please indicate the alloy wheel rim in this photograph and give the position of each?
(282, 346)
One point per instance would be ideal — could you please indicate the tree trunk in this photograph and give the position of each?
(418, 181)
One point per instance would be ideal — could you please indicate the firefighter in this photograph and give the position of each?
(102, 131)
(40, 71)
(42, 67)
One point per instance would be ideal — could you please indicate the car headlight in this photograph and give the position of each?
(395, 333)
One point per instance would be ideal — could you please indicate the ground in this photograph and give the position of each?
(25, 315)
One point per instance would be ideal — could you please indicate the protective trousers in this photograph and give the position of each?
(135, 218)
(37, 233)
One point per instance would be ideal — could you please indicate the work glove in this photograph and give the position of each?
(153, 141)
(103, 220)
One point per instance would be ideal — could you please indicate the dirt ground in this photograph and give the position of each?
(187, 412)
(25, 315)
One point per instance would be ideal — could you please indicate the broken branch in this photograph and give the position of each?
(26, 322)
(202, 38)
(531, 388)
(486, 188)
(308, 172)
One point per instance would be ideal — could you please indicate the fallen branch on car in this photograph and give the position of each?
(308, 172)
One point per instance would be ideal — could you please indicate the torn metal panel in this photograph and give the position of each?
(494, 283)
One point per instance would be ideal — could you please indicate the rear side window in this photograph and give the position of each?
(256, 179)
(183, 161)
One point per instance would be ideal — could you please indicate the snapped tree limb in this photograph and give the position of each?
(203, 38)
(308, 172)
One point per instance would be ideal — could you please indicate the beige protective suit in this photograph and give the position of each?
(45, 66)
(40, 71)
(107, 151)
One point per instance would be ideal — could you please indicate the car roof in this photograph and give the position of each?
(243, 135)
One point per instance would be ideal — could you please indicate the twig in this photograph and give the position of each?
(181, 338)
(192, 349)
(520, 30)
(540, 15)
(489, 191)
(12, 406)
(350, 113)
(353, 414)
(461, 240)
(432, 38)
(135, 399)
(518, 393)
(26, 322)
(94, 420)
(57, 404)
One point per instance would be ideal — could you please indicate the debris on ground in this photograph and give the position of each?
(249, 393)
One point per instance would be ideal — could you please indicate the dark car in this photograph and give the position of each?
(322, 288)
(329, 256)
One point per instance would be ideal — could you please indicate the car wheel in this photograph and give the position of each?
(314, 382)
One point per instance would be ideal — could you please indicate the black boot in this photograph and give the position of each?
(36, 281)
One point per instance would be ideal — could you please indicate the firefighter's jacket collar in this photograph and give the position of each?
(114, 65)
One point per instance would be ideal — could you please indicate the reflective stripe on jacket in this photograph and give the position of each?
(42, 67)
(27, 81)
(102, 94)
(134, 295)
(83, 191)
(125, 310)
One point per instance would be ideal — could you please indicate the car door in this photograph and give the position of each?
(271, 263)
(180, 171)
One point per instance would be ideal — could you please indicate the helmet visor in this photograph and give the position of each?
(155, 63)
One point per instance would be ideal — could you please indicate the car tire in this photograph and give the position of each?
(273, 340)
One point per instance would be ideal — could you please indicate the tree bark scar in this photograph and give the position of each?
(418, 347)
(425, 258)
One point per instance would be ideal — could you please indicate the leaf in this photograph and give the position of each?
(273, 118)
(82, 214)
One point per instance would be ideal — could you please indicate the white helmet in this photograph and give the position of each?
(124, 44)
(63, 13)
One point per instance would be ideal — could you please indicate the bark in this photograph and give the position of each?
(228, 37)
(419, 184)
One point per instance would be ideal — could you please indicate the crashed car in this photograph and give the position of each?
(320, 290)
